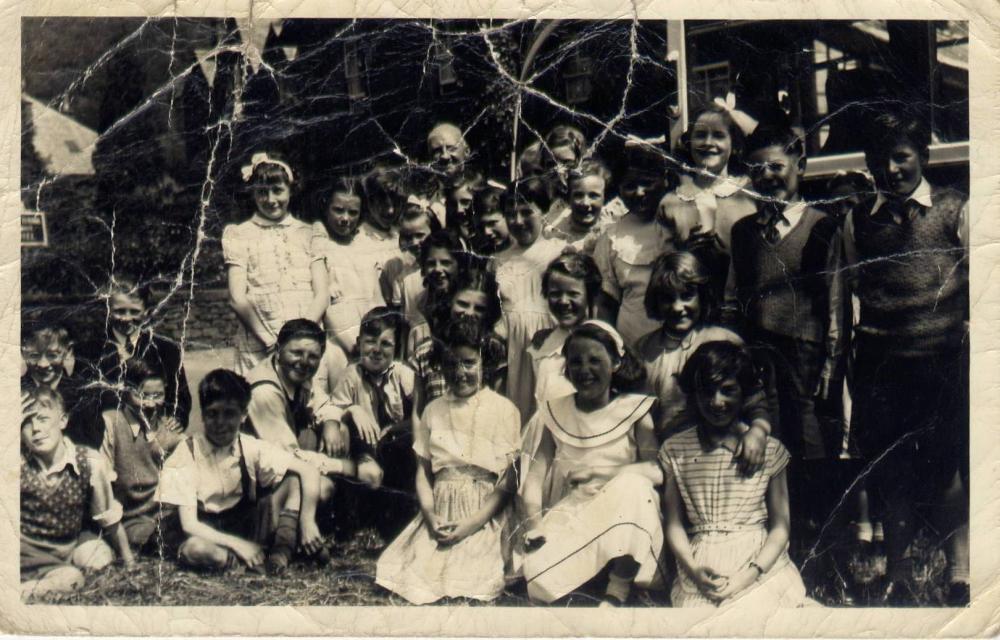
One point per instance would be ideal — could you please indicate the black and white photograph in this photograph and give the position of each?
(539, 313)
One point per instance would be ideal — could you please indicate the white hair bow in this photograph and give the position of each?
(260, 158)
(743, 120)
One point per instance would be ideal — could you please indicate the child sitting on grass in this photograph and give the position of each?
(216, 481)
(138, 437)
(728, 531)
(376, 396)
(62, 484)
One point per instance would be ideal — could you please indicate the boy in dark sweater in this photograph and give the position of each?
(138, 437)
(785, 283)
(907, 248)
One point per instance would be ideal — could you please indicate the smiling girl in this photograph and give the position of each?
(588, 494)
(524, 305)
(680, 296)
(465, 446)
(571, 284)
(274, 265)
(728, 531)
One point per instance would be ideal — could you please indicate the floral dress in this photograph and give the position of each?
(470, 442)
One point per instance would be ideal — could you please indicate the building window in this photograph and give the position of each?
(577, 75)
(356, 72)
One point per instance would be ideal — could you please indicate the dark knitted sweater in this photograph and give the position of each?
(137, 463)
(787, 287)
(912, 277)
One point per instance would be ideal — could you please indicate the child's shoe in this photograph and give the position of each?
(278, 560)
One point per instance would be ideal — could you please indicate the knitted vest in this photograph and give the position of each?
(53, 510)
(912, 277)
(781, 287)
(137, 465)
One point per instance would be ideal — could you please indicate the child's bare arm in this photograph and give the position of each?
(105, 510)
(119, 540)
(535, 481)
(778, 518)
(677, 537)
(237, 282)
(321, 290)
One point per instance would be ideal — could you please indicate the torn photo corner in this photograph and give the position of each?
(508, 320)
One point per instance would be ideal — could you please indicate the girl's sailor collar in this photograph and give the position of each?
(596, 428)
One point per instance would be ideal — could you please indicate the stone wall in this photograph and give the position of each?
(207, 322)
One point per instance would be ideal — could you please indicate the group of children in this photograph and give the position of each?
(535, 381)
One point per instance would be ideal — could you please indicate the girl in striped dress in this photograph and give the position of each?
(728, 530)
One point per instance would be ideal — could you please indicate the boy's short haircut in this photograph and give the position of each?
(776, 135)
(223, 384)
(44, 397)
(423, 212)
(301, 328)
(43, 332)
(138, 370)
(129, 285)
(890, 128)
(442, 239)
(381, 319)
(591, 167)
(531, 191)
(677, 271)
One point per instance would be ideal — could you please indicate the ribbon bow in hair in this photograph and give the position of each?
(260, 158)
(743, 120)
(417, 201)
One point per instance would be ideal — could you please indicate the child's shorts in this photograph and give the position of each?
(88, 552)
(155, 533)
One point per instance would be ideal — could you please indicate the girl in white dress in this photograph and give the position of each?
(727, 530)
(571, 284)
(466, 443)
(274, 264)
(590, 472)
(519, 270)
(681, 296)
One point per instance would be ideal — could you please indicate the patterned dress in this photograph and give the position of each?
(727, 516)
(278, 258)
(470, 442)
(587, 525)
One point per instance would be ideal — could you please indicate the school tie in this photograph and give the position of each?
(776, 215)
(901, 211)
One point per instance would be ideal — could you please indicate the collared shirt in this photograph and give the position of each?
(209, 477)
(104, 509)
(792, 214)
(922, 196)
(272, 405)
(388, 396)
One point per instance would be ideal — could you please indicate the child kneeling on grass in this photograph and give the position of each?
(215, 478)
(61, 484)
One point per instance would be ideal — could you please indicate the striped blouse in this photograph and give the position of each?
(717, 497)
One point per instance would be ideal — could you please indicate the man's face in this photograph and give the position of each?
(448, 150)
(299, 359)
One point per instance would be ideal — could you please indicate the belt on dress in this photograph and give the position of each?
(465, 472)
(723, 528)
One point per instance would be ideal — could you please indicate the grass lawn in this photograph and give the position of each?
(349, 581)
